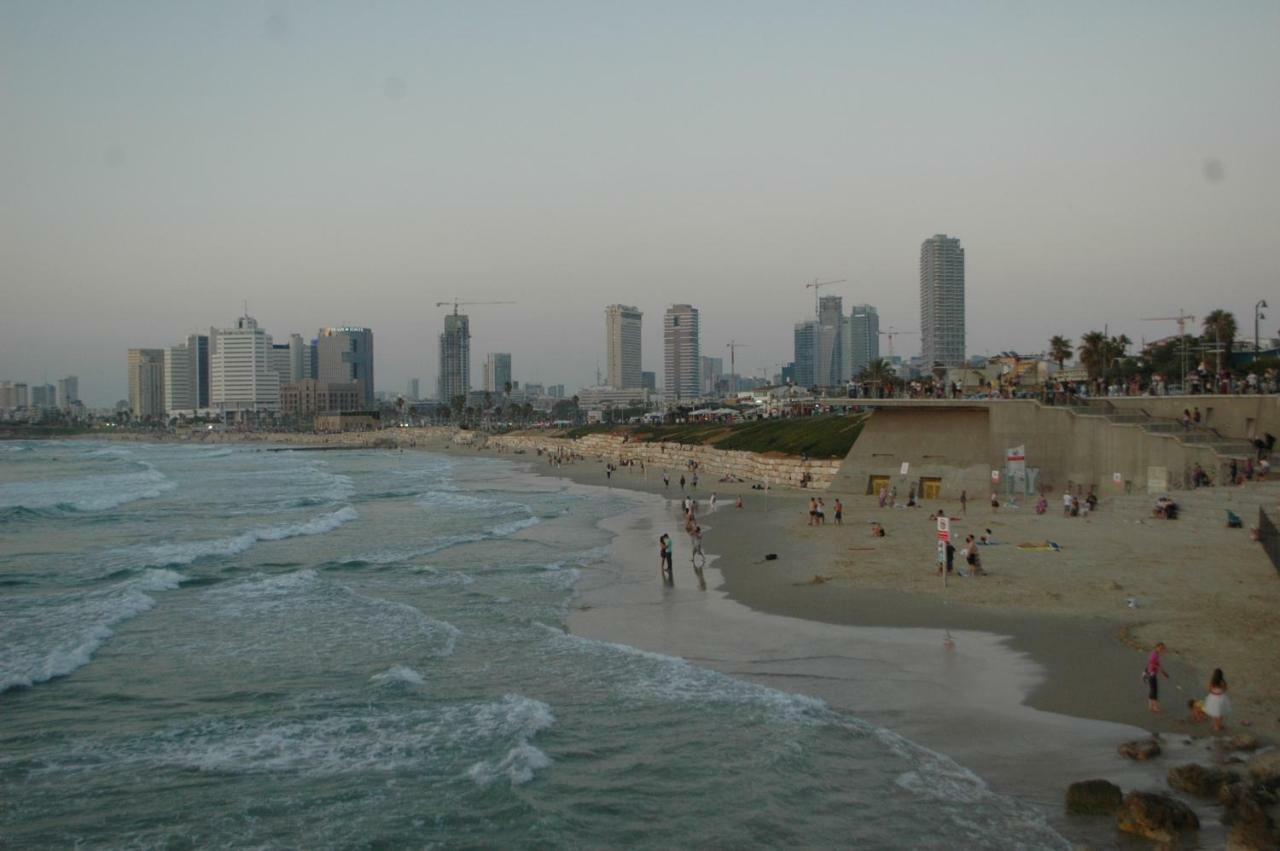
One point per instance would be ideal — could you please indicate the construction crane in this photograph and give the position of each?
(733, 346)
(456, 303)
(1182, 319)
(894, 332)
(817, 286)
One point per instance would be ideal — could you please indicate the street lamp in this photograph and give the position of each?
(1257, 317)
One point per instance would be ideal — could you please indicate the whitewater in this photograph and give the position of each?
(226, 646)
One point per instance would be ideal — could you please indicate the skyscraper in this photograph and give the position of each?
(177, 379)
(497, 372)
(829, 363)
(806, 353)
(345, 355)
(681, 349)
(241, 376)
(942, 301)
(622, 342)
(146, 382)
(68, 392)
(455, 358)
(864, 338)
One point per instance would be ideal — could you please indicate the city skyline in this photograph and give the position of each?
(643, 166)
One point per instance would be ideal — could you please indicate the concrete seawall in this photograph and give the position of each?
(675, 457)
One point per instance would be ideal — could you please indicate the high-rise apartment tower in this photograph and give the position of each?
(682, 356)
(942, 301)
(622, 344)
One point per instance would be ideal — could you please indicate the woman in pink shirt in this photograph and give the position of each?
(1152, 676)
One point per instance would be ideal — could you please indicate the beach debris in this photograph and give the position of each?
(1093, 797)
(1141, 749)
(1159, 817)
(1198, 780)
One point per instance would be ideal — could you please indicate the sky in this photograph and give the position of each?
(161, 163)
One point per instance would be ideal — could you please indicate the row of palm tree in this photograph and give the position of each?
(1097, 352)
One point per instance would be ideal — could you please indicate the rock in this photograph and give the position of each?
(1093, 797)
(1157, 817)
(1198, 780)
(1251, 827)
(1240, 742)
(1265, 767)
(1140, 750)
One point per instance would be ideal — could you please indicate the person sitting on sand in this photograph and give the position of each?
(1216, 703)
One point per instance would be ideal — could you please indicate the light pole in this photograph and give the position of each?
(1257, 317)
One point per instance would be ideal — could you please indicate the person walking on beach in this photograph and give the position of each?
(1216, 703)
(1152, 675)
(839, 512)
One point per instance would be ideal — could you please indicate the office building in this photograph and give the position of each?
(309, 397)
(622, 345)
(864, 338)
(411, 390)
(649, 380)
(942, 301)
(712, 375)
(455, 358)
(806, 353)
(300, 359)
(345, 355)
(68, 392)
(177, 380)
(497, 372)
(241, 376)
(829, 365)
(682, 355)
(44, 396)
(146, 383)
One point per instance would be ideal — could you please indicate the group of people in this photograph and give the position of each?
(818, 511)
(1214, 707)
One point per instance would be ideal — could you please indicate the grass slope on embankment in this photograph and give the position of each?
(818, 437)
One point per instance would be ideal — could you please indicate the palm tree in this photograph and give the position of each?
(1093, 352)
(1221, 325)
(1059, 349)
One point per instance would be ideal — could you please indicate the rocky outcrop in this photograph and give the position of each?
(1199, 780)
(675, 457)
(1142, 749)
(1093, 797)
(1157, 817)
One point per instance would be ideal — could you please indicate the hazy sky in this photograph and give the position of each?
(356, 162)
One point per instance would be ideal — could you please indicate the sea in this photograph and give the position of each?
(227, 646)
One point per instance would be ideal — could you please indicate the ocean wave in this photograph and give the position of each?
(438, 741)
(49, 637)
(188, 552)
(398, 675)
(87, 493)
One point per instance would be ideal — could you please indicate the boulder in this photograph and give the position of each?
(1198, 780)
(1142, 749)
(1154, 816)
(1093, 797)
(1250, 827)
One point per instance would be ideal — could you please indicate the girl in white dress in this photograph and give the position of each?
(1216, 704)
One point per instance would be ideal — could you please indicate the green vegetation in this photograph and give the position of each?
(818, 437)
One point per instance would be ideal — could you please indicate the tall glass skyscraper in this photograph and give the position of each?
(942, 301)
